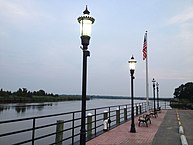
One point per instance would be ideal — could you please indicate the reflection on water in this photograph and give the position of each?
(16, 111)
(4, 107)
(22, 108)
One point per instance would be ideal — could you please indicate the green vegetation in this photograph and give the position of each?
(183, 96)
(25, 96)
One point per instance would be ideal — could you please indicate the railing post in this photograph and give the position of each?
(150, 106)
(144, 108)
(105, 122)
(33, 131)
(165, 104)
(140, 109)
(109, 116)
(73, 128)
(118, 116)
(105, 115)
(59, 132)
(89, 125)
(95, 124)
(125, 113)
(136, 109)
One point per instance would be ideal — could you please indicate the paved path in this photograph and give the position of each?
(167, 133)
(121, 135)
(186, 119)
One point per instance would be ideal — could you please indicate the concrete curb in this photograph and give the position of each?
(181, 131)
(183, 140)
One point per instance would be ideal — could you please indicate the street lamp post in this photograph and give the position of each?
(157, 85)
(86, 22)
(153, 81)
(132, 62)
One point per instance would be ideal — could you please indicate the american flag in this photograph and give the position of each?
(145, 46)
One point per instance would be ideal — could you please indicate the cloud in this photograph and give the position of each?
(12, 9)
(185, 17)
(183, 23)
(23, 12)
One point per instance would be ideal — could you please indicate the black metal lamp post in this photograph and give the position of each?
(86, 22)
(153, 81)
(132, 62)
(157, 85)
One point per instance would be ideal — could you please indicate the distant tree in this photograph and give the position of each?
(40, 93)
(22, 93)
(8, 93)
(4, 93)
(34, 93)
(184, 91)
(1, 92)
(18, 92)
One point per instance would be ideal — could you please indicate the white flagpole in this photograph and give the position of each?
(145, 56)
(147, 83)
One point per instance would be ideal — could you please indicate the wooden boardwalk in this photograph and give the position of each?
(121, 135)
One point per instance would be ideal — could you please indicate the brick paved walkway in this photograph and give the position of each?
(121, 135)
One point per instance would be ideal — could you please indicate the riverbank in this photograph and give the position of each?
(38, 99)
(181, 104)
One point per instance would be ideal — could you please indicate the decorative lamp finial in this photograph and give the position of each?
(86, 11)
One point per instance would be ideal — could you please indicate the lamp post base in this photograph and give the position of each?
(82, 137)
(132, 130)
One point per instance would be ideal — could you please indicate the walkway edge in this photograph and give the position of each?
(181, 131)
(183, 140)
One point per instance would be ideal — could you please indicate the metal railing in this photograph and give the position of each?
(44, 129)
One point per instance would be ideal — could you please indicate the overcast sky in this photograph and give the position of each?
(40, 45)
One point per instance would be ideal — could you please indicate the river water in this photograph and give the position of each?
(18, 111)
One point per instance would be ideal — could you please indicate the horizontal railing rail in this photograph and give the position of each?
(47, 129)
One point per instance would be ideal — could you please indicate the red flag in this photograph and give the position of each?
(145, 46)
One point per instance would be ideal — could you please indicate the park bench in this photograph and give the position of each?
(144, 119)
(159, 109)
(153, 113)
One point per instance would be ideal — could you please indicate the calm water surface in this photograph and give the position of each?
(15, 111)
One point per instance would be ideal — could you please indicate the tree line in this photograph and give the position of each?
(184, 91)
(22, 95)
(183, 96)
(23, 92)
